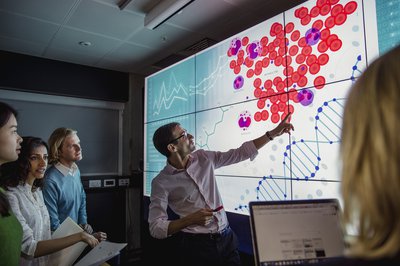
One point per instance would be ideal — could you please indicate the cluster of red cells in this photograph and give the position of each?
(278, 50)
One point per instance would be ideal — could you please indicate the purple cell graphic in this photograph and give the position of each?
(235, 46)
(312, 36)
(244, 120)
(305, 97)
(253, 50)
(238, 82)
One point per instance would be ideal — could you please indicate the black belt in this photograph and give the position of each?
(213, 236)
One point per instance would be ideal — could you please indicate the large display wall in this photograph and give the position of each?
(302, 61)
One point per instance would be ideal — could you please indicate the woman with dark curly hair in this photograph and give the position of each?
(23, 180)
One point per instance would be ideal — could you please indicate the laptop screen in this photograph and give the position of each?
(294, 232)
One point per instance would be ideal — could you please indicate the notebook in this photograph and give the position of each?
(295, 232)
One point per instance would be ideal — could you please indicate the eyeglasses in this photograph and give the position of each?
(184, 134)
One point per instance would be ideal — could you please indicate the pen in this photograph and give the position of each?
(218, 208)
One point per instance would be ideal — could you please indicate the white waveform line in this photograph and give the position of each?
(166, 100)
(214, 76)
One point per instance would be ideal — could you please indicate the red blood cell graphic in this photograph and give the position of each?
(264, 115)
(320, 3)
(336, 10)
(275, 118)
(284, 97)
(336, 45)
(302, 12)
(248, 62)
(295, 77)
(306, 50)
(261, 104)
(257, 82)
(324, 10)
(330, 22)
(293, 50)
(325, 34)
(295, 35)
(289, 27)
(274, 99)
(302, 70)
(340, 19)
(264, 40)
(288, 71)
(282, 106)
(318, 24)
(236, 70)
(314, 68)
(274, 108)
(268, 84)
(280, 86)
(331, 38)
(302, 81)
(350, 7)
(311, 60)
(245, 41)
(323, 59)
(302, 42)
(272, 55)
(319, 82)
(278, 60)
(259, 64)
(289, 59)
(301, 58)
(305, 20)
(314, 12)
(276, 80)
(322, 47)
(250, 73)
(265, 62)
(257, 93)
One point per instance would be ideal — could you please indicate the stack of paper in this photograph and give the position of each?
(97, 256)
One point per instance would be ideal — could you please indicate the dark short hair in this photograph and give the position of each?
(15, 172)
(163, 136)
(5, 113)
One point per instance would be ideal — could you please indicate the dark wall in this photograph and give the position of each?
(39, 75)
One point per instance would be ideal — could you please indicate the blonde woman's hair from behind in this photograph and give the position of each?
(56, 141)
(370, 152)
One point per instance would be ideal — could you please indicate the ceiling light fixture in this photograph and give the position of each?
(163, 11)
(83, 43)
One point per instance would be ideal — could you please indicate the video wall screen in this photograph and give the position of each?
(302, 61)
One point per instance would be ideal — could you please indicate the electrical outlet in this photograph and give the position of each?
(123, 182)
(94, 183)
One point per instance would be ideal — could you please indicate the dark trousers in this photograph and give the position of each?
(210, 249)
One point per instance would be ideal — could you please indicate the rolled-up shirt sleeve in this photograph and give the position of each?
(158, 216)
(29, 243)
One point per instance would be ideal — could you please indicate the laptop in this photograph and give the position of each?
(296, 232)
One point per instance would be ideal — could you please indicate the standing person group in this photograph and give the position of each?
(25, 231)
(23, 180)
